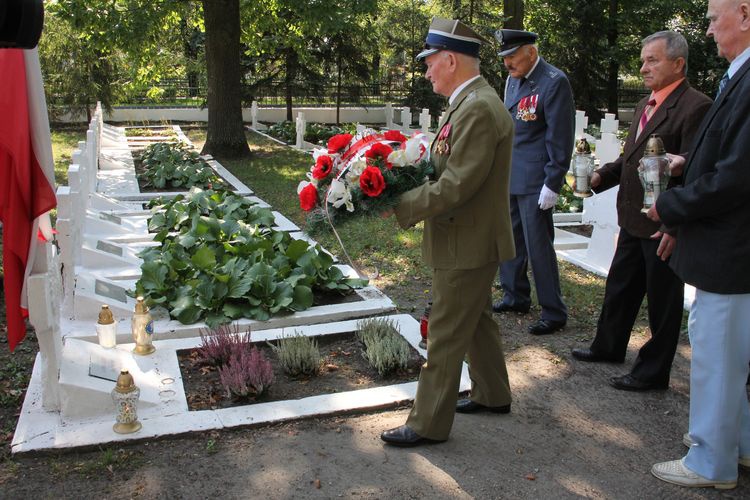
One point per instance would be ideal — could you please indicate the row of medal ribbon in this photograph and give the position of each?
(527, 108)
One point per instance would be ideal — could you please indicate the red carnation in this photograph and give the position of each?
(379, 151)
(323, 167)
(395, 136)
(308, 197)
(371, 181)
(338, 142)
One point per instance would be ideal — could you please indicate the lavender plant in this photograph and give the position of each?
(298, 354)
(385, 349)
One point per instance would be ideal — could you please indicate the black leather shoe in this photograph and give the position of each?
(469, 406)
(405, 436)
(545, 327)
(501, 307)
(586, 354)
(628, 382)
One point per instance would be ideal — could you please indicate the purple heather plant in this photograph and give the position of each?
(218, 344)
(248, 373)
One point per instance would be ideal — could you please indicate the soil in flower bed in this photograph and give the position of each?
(343, 369)
(583, 229)
(321, 298)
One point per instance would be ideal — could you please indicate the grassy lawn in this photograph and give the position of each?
(64, 142)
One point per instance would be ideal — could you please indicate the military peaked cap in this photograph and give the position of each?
(510, 40)
(450, 34)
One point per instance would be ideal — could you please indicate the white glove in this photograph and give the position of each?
(547, 198)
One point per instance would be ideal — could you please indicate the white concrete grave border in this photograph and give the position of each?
(100, 239)
(163, 408)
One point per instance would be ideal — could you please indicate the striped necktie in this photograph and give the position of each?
(646, 115)
(722, 84)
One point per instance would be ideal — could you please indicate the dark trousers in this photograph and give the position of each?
(637, 271)
(534, 235)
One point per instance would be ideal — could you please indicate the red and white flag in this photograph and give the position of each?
(27, 179)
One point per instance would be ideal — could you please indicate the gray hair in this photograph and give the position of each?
(676, 44)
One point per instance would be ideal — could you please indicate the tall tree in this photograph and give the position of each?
(140, 27)
(513, 12)
(613, 69)
(226, 132)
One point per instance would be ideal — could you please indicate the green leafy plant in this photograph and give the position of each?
(176, 165)
(219, 259)
(567, 201)
(315, 133)
(385, 349)
(298, 354)
(150, 132)
(283, 131)
(319, 133)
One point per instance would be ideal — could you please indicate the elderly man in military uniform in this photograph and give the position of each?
(539, 98)
(467, 233)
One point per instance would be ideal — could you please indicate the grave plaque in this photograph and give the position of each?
(109, 248)
(110, 218)
(111, 291)
(104, 367)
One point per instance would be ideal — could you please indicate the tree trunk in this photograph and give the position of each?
(291, 63)
(614, 66)
(513, 11)
(456, 9)
(226, 132)
(191, 51)
(338, 86)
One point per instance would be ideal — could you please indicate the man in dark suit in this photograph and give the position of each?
(467, 232)
(539, 98)
(711, 213)
(674, 111)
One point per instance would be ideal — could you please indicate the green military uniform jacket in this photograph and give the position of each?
(466, 209)
(467, 232)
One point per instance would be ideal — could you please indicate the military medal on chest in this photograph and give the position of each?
(533, 100)
(527, 108)
(441, 146)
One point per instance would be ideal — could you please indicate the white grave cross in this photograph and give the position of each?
(301, 125)
(425, 120)
(389, 116)
(254, 114)
(600, 210)
(406, 119)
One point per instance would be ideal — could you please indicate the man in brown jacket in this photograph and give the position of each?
(674, 111)
(467, 232)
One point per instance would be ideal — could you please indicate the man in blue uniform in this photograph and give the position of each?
(540, 100)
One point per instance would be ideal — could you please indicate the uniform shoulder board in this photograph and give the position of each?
(553, 73)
